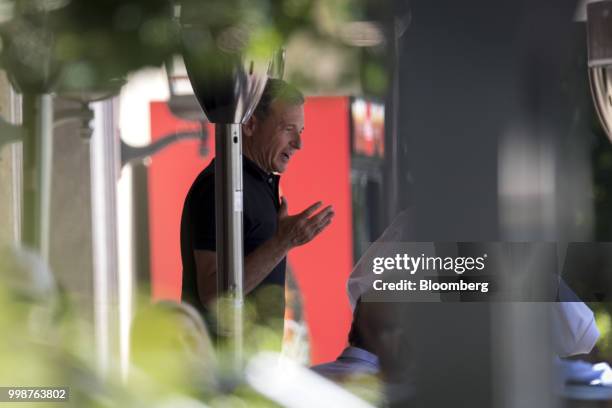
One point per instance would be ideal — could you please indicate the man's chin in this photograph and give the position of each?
(280, 167)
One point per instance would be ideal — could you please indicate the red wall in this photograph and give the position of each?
(171, 173)
(320, 171)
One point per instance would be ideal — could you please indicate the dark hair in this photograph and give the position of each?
(277, 89)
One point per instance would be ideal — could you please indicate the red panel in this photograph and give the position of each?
(170, 175)
(321, 171)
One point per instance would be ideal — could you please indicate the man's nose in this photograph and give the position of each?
(296, 143)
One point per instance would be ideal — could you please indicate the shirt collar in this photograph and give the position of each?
(250, 166)
(359, 354)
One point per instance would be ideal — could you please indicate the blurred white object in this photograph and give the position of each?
(606, 374)
(294, 386)
(578, 372)
(574, 328)
(296, 345)
(400, 230)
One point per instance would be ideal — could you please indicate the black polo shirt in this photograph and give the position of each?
(260, 205)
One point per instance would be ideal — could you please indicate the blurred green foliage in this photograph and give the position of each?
(86, 46)
(604, 324)
(44, 344)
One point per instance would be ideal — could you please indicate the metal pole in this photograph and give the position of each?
(228, 91)
(104, 154)
(45, 128)
(399, 26)
(393, 161)
(37, 161)
(228, 218)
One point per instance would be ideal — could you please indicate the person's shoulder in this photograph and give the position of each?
(203, 185)
(208, 172)
(205, 178)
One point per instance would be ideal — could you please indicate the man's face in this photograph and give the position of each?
(277, 138)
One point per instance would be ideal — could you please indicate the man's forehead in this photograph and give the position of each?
(288, 113)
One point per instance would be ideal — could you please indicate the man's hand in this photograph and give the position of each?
(299, 229)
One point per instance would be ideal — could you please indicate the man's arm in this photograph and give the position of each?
(292, 231)
(257, 265)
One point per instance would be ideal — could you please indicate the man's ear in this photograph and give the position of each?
(248, 129)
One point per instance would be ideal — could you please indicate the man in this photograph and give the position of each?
(357, 369)
(358, 358)
(270, 138)
(373, 365)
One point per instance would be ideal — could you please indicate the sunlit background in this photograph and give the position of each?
(481, 118)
